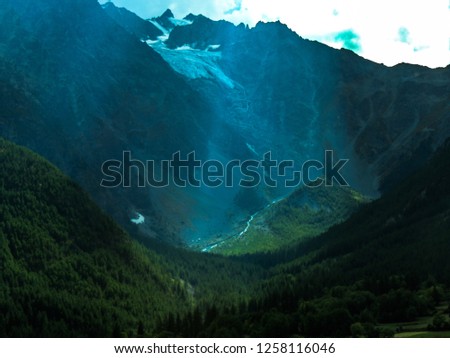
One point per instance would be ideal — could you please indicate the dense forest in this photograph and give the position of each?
(66, 269)
(69, 270)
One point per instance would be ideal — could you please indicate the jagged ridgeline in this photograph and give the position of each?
(89, 82)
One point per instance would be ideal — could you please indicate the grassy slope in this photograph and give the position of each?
(306, 213)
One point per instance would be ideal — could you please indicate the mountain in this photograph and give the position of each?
(80, 90)
(388, 121)
(271, 90)
(69, 270)
(405, 231)
(82, 84)
(89, 83)
(166, 20)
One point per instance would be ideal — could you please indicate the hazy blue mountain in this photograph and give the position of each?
(303, 96)
(296, 98)
(80, 90)
(87, 83)
(166, 20)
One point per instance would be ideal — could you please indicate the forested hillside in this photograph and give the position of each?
(66, 269)
(69, 270)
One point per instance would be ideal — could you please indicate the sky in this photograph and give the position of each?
(384, 31)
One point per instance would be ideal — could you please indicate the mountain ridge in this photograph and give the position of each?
(84, 89)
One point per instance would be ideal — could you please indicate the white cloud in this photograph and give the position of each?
(376, 22)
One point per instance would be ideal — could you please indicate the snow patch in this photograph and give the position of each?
(212, 48)
(190, 62)
(139, 220)
(159, 27)
(184, 48)
(163, 38)
(180, 22)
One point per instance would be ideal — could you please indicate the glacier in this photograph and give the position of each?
(193, 63)
(190, 62)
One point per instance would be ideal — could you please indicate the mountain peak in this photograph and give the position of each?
(108, 4)
(191, 17)
(167, 14)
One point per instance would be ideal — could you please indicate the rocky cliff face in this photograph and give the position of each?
(388, 121)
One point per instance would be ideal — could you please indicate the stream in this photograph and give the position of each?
(247, 227)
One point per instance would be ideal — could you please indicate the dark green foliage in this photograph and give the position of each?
(66, 269)
(440, 323)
